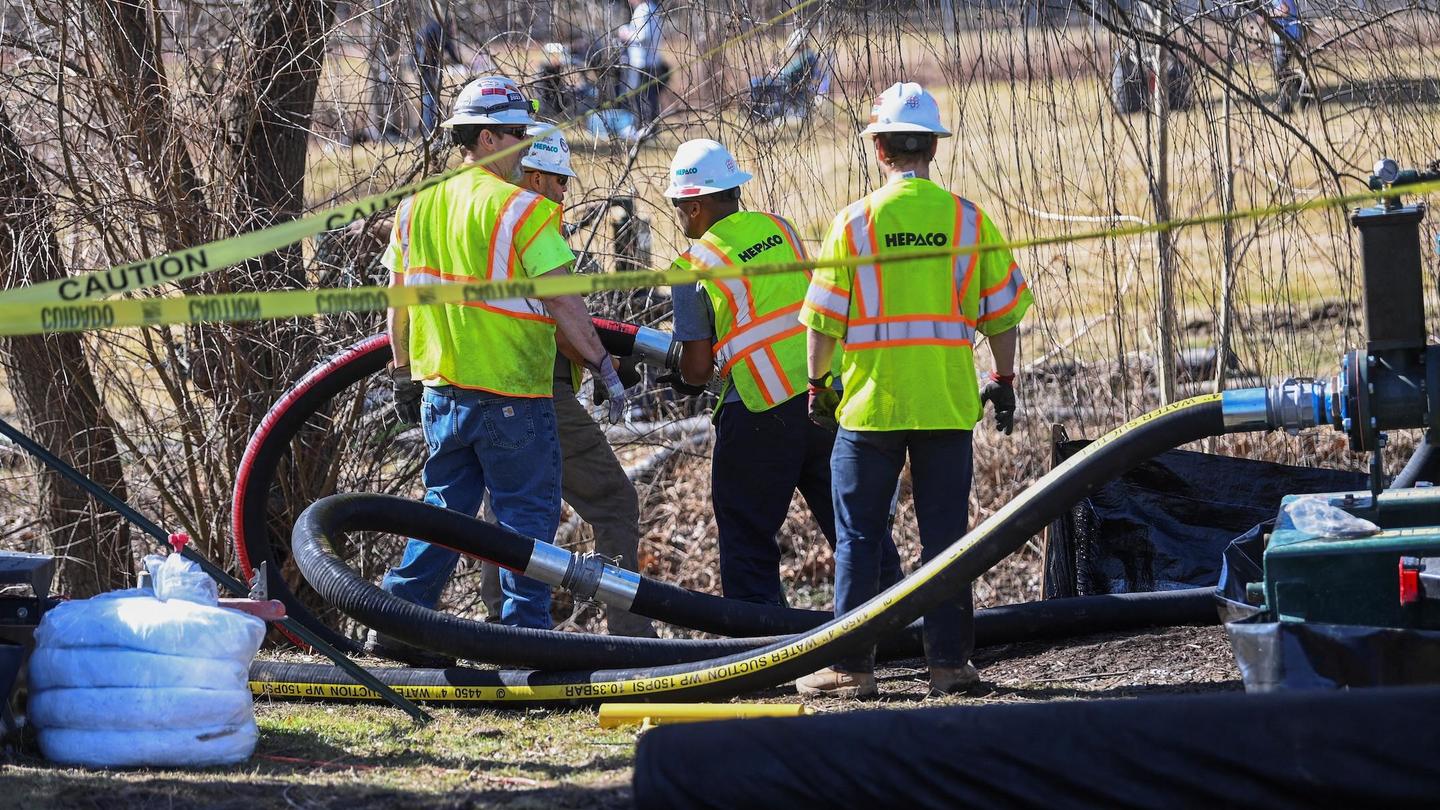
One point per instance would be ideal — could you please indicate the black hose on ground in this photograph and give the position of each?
(313, 543)
(1007, 624)
(336, 514)
(785, 659)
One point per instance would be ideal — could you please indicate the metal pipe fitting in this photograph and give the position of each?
(1293, 405)
(657, 348)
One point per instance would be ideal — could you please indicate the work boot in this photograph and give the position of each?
(832, 682)
(949, 680)
(382, 646)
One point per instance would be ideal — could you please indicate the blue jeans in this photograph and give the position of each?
(478, 441)
(865, 467)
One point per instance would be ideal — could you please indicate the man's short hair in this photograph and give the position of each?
(465, 135)
(907, 147)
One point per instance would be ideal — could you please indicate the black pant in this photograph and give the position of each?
(760, 460)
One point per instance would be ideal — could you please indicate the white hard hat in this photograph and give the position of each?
(549, 152)
(906, 107)
(491, 100)
(703, 166)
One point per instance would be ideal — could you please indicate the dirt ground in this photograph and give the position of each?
(352, 756)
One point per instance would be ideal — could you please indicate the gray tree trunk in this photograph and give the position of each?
(56, 396)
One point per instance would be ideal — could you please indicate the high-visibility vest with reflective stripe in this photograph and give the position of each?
(909, 326)
(759, 343)
(471, 227)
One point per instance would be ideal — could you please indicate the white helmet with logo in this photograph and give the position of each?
(491, 100)
(703, 166)
(549, 152)
(906, 107)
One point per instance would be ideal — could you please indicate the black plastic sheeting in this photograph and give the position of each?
(1165, 524)
(1306, 655)
(1296, 749)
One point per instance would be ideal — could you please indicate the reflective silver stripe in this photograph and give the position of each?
(969, 233)
(504, 238)
(402, 230)
(937, 330)
(771, 378)
(824, 298)
(419, 279)
(548, 563)
(617, 587)
(1003, 297)
(504, 235)
(866, 276)
(707, 256)
(520, 306)
(792, 236)
(761, 333)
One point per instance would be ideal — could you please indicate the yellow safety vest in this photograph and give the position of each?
(471, 227)
(908, 327)
(759, 342)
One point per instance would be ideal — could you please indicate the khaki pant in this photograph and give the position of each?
(594, 484)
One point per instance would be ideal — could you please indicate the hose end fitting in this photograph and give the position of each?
(657, 348)
(592, 576)
(1293, 405)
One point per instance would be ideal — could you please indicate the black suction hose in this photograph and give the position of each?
(888, 612)
(313, 543)
(1007, 624)
(672, 604)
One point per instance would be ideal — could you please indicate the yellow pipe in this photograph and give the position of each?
(654, 714)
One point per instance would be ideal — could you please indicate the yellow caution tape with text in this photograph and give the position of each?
(39, 315)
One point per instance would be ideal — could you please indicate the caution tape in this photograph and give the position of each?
(190, 263)
(33, 317)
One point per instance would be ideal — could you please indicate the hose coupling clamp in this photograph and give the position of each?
(582, 577)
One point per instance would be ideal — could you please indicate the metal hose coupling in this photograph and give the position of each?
(657, 348)
(1293, 405)
(588, 576)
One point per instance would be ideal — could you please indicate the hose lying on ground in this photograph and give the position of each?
(893, 609)
(1007, 624)
(590, 576)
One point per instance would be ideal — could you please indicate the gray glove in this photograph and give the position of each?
(406, 393)
(615, 396)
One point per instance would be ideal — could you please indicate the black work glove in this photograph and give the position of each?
(677, 382)
(824, 400)
(406, 393)
(1000, 393)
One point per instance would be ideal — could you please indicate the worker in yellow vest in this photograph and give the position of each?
(766, 448)
(485, 367)
(908, 372)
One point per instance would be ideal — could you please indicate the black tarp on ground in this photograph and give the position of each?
(1298, 749)
(1165, 524)
(1275, 655)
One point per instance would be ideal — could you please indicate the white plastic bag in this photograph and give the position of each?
(1314, 515)
(178, 578)
(128, 679)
